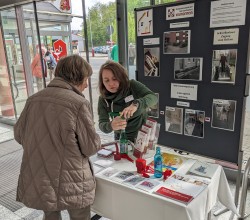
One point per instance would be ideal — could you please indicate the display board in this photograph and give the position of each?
(193, 54)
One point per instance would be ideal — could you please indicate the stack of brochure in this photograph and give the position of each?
(182, 188)
(203, 169)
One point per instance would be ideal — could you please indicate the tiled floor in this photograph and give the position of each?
(5, 133)
(29, 214)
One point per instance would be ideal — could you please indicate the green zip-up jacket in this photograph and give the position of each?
(116, 103)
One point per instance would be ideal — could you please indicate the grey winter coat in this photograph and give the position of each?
(57, 133)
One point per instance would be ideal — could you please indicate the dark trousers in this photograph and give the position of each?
(223, 67)
(74, 214)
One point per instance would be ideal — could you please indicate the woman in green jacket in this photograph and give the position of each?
(118, 94)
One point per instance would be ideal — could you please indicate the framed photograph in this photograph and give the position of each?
(194, 123)
(152, 61)
(174, 120)
(145, 22)
(176, 42)
(188, 68)
(153, 111)
(224, 66)
(223, 114)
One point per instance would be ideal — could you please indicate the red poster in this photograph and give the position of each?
(60, 49)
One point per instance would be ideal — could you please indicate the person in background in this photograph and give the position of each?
(36, 68)
(51, 62)
(109, 53)
(198, 126)
(131, 54)
(119, 94)
(114, 53)
(223, 60)
(56, 130)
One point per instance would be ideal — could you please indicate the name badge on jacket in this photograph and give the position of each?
(129, 98)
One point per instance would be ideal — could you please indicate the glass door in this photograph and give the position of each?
(6, 98)
(11, 67)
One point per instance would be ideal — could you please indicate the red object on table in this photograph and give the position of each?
(140, 165)
(145, 175)
(116, 153)
(117, 156)
(166, 174)
(149, 169)
(125, 156)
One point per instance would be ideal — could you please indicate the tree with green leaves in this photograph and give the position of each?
(100, 16)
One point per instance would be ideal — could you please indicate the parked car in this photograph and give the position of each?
(102, 49)
(97, 49)
(105, 49)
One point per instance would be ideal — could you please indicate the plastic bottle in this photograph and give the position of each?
(158, 163)
(123, 142)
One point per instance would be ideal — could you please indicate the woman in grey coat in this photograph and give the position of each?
(56, 130)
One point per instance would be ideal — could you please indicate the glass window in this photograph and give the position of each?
(6, 99)
(35, 62)
(16, 94)
(54, 27)
(131, 5)
(102, 36)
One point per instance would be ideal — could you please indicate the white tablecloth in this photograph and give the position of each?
(120, 202)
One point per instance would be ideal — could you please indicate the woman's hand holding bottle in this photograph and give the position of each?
(118, 123)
